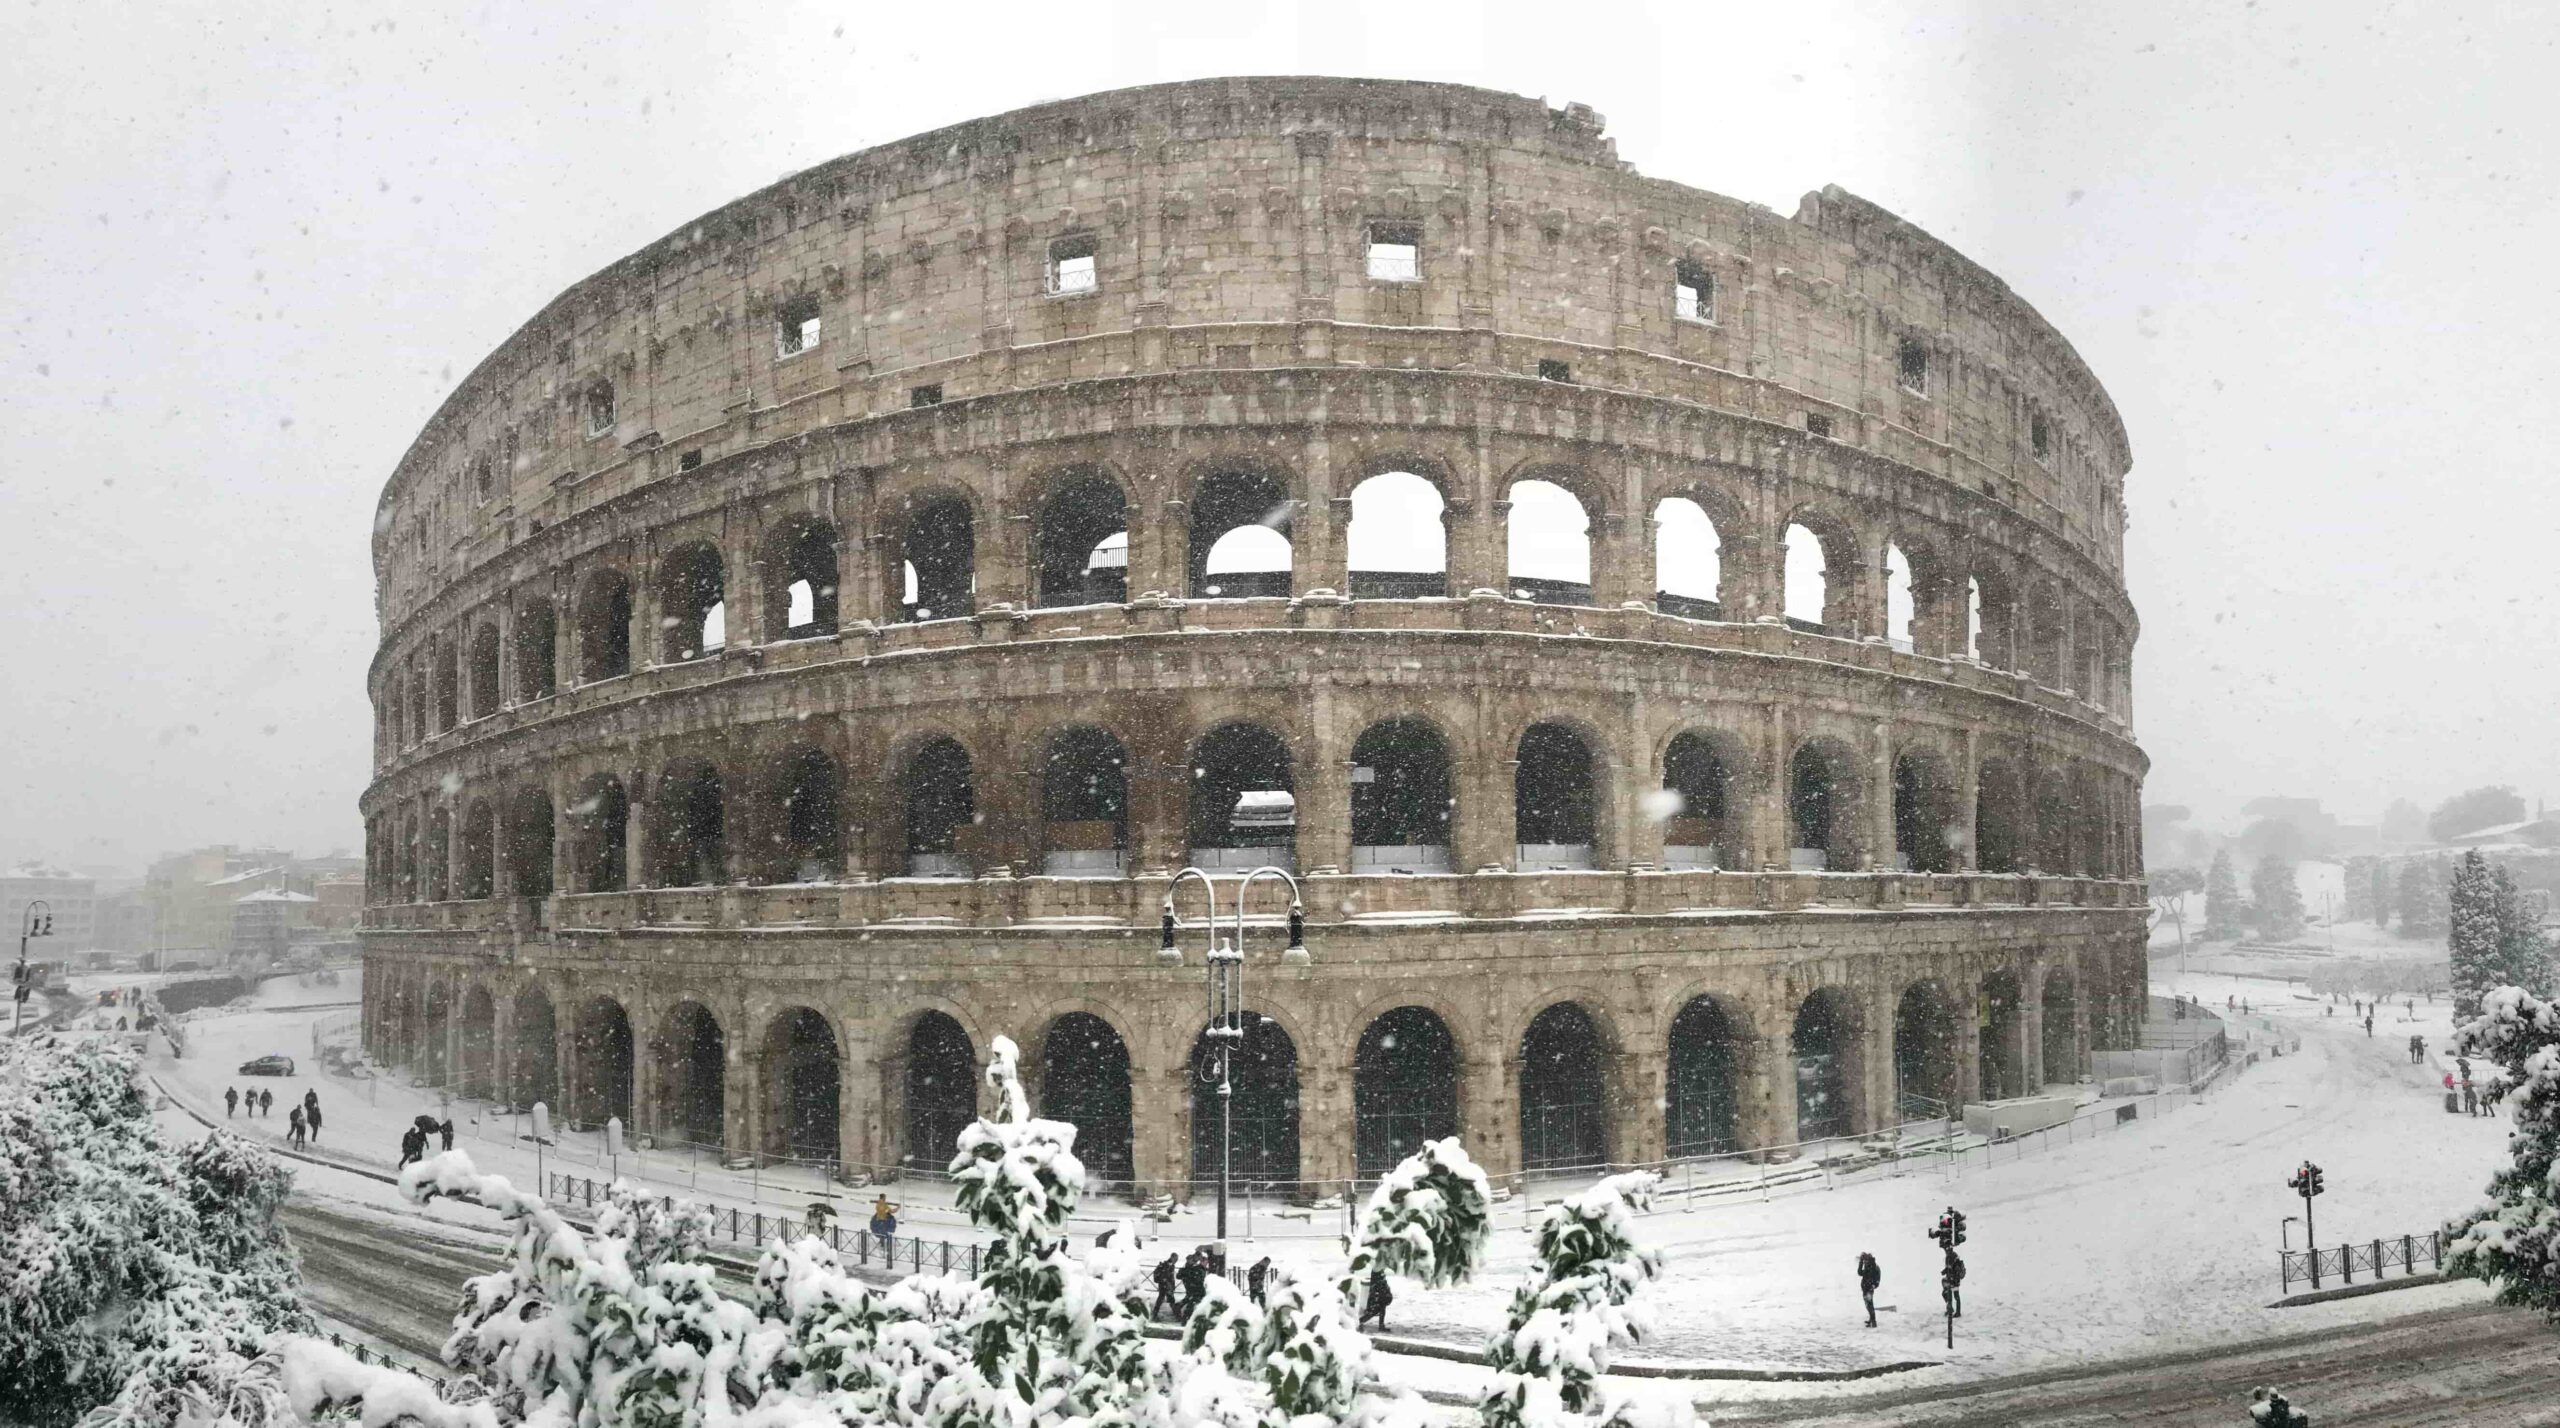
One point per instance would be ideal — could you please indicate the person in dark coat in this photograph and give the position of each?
(311, 1116)
(446, 1130)
(413, 1146)
(1256, 1277)
(1951, 1284)
(1195, 1283)
(231, 1101)
(1164, 1276)
(1373, 1305)
(293, 1135)
(1870, 1274)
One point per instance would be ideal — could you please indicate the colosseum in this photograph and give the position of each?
(1681, 650)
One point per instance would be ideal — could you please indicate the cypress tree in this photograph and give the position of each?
(2523, 957)
(2472, 938)
(2224, 913)
(2276, 898)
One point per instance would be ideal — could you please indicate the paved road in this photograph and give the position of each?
(2474, 1367)
(396, 1289)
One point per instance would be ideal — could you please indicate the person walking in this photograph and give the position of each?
(2368, 1026)
(311, 1116)
(1195, 1283)
(446, 1130)
(1256, 1277)
(293, 1135)
(231, 1101)
(884, 1222)
(1374, 1304)
(266, 1103)
(1951, 1284)
(1164, 1277)
(1870, 1274)
(413, 1146)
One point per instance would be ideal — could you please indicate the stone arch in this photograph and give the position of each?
(1828, 1047)
(1230, 504)
(1822, 565)
(1823, 806)
(537, 651)
(1992, 617)
(1927, 1069)
(1703, 769)
(688, 828)
(477, 1074)
(599, 834)
(1556, 797)
(604, 625)
(2044, 623)
(2060, 1013)
(1999, 817)
(1404, 1081)
(525, 845)
(1081, 520)
(803, 1079)
(1402, 796)
(1708, 1050)
(606, 1060)
(1548, 529)
(936, 570)
(484, 669)
(1926, 829)
(941, 1074)
(937, 783)
(1085, 1081)
(1564, 1096)
(479, 850)
(447, 657)
(1084, 803)
(1264, 1106)
(690, 1059)
(800, 596)
(533, 1052)
(434, 1022)
(439, 855)
(693, 609)
(1688, 559)
(1397, 539)
(805, 797)
(2003, 1051)
(1243, 800)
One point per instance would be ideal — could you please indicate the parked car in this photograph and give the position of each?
(268, 1066)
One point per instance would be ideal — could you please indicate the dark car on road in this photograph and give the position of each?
(268, 1066)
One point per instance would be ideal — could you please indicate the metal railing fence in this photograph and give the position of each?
(2372, 1258)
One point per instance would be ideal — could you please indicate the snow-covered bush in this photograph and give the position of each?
(1548, 1359)
(2513, 1242)
(136, 1287)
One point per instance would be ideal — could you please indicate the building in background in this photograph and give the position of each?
(267, 923)
(71, 897)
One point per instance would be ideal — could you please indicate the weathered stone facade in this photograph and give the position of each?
(703, 592)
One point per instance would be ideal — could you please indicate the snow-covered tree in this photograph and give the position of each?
(2513, 1242)
(2473, 936)
(136, 1286)
(2275, 898)
(1548, 1359)
(2224, 913)
(2524, 955)
(2425, 897)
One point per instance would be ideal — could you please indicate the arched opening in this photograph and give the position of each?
(688, 843)
(1240, 536)
(808, 829)
(1994, 620)
(693, 611)
(692, 1061)
(1400, 801)
(604, 1064)
(803, 1076)
(1244, 813)
(1688, 561)
(1084, 799)
(2055, 823)
(2092, 827)
(604, 626)
(1926, 1066)
(484, 671)
(526, 845)
(1821, 808)
(534, 1057)
(1998, 807)
(478, 1034)
(1084, 1081)
(417, 703)
(1404, 1088)
(448, 686)
(599, 834)
(1808, 577)
(1554, 798)
(1564, 1117)
(942, 805)
(434, 1030)
(800, 579)
(1697, 781)
(479, 851)
(1703, 1097)
(538, 650)
(1264, 1108)
(1398, 547)
(941, 1087)
(1080, 550)
(1925, 831)
(1825, 1047)
(2047, 625)
(1548, 536)
(439, 855)
(1901, 606)
(2062, 1061)
(939, 560)
(2004, 1032)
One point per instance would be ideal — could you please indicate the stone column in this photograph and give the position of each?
(564, 636)
(1767, 1114)
(1319, 532)
(1159, 541)
(1325, 1127)
(636, 872)
(1489, 1109)
(1614, 562)
(1638, 778)
(1483, 837)
(1968, 798)
(741, 1091)
(510, 676)
(1968, 995)
(742, 587)
(859, 1143)
(1639, 1090)
(2031, 1029)
(1883, 1068)
(865, 563)
(1881, 849)
(502, 1049)
(1771, 835)
(1159, 1152)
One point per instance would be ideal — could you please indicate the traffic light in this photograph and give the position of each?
(2316, 1181)
(2307, 1182)
(1949, 1231)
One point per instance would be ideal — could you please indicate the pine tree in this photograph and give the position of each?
(2224, 914)
(2357, 886)
(2472, 939)
(2513, 1242)
(2523, 957)
(2383, 885)
(2275, 898)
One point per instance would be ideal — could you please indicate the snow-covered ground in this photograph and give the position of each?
(2159, 1236)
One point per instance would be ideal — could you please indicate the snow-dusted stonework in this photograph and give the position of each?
(705, 594)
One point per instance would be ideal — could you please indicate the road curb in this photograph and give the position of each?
(2358, 1291)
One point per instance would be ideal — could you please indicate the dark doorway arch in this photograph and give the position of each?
(690, 828)
(1564, 1104)
(1926, 1064)
(525, 846)
(693, 1062)
(1081, 548)
(941, 1088)
(534, 1060)
(1822, 808)
(600, 829)
(537, 649)
(1699, 832)
(479, 851)
(2003, 1049)
(478, 1033)
(809, 825)
(1264, 1108)
(1702, 1107)
(1998, 811)
(1825, 1046)
(1244, 812)
(604, 626)
(1400, 804)
(1084, 796)
(1404, 1088)
(803, 1080)
(939, 565)
(484, 671)
(1084, 1081)
(2061, 1039)
(435, 1029)
(1924, 815)
(1554, 799)
(693, 610)
(1240, 548)
(604, 1064)
(800, 579)
(942, 804)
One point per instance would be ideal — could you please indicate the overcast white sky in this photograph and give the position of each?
(249, 248)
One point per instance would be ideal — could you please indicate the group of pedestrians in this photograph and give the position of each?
(302, 1122)
(2476, 1100)
(413, 1141)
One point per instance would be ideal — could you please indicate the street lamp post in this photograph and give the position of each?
(1224, 962)
(38, 923)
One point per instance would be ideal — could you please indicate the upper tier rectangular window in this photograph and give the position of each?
(1395, 253)
(796, 326)
(1693, 293)
(1073, 266)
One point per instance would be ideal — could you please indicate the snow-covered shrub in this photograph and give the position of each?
(136, 1287)
(1548, 1359)
(2513, 1242)
(1426, 1220)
